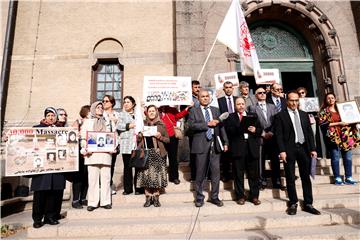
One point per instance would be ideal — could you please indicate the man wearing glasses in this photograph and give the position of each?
(276, 97)
(266, 113)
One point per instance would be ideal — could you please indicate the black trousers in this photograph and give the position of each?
(47, 204)
(80, 181)
(172, 150)
(300, 155)
(113, 161)
(225, 164)
(242, 164)
(129, 180)
(269, 151)
(192, 160)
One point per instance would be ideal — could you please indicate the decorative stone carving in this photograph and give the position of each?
(259, 1)
(261, 10)
(319, 38)
(294, 1)
(341, 79)
(231, 56)
(310, 6)
(332, 33)
(323, 18)
(331, 53)
(327, 81)
(245, 6)
(311, 26)
(288, 11)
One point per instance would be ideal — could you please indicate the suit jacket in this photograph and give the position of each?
(285, 134)
(235, 130)
(282, 100)
(250, 100)
(266, 124)
(223, 106)
(199, 127)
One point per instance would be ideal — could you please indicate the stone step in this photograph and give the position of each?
(204, 224)
(168, 209)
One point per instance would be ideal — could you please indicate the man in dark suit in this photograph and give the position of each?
(209, 139)
(226, 104)
(266, 113)
(276, 97)
(296, 143)
(244, 136)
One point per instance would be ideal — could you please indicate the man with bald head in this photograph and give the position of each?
(209, 140)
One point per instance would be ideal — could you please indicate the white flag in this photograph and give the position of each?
(235, 34)
(139, 121)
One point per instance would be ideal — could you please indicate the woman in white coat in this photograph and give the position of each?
(98, 164)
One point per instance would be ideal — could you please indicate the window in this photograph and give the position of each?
(107, 79)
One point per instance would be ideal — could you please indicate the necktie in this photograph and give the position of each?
(230, 106)
(241, 116)
(299, 132)
(263, 108)
(278, 105)
(207, 119)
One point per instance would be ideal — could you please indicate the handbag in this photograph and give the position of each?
(178, 132)
(139, 156)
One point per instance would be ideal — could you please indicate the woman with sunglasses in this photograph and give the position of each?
(62, 118)
(340, 139)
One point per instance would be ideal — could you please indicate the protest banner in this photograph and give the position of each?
(168, 90)
(221, 78)
(269, 76)
(100, 141)
(31, 151)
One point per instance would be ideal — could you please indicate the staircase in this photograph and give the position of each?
(178, 218)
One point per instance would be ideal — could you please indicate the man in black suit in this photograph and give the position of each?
(276, 97)
(244, 136)
(296, 143)
(226, 104)
(209, 139)
(266, 113)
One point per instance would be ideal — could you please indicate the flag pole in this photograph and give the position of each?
(207, 58)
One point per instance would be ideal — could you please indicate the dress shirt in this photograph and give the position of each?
(210, 113)
(292, 116)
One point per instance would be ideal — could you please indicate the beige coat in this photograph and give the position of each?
(95, 158)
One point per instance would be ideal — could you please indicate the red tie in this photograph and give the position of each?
(241, 116)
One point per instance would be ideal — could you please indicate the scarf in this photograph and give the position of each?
(99, 123)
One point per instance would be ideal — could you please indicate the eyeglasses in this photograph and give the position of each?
(279, 90)
(63, 114)
(105, 101)
(261, 93)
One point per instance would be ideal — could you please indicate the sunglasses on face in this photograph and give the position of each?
(261, 93)
(105, 101)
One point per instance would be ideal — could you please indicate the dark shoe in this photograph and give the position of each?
(217, 202)
(199, 203)
(76, 205)
(156, 201)
(279, 186)
(138, 193)
(84, 202)
(107, 206)
(256, 201)
(126, 193)
(241, 201)
(176, 181)
(148, 201)
(38, 224)
(310, 209)
(90, 208)
(291, 210)
(51, 221)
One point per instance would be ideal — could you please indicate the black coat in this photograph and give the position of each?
(49, 181)
(238, 144)
(285, 134)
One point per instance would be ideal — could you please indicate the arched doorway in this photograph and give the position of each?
(279, 46)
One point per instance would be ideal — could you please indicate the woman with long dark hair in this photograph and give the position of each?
(340, 139)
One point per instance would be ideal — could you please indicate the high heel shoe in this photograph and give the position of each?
(148, 201)
(156, 201)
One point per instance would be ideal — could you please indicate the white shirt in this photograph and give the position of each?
(292, 116)
(210, 114)
(275, 99)
(263, 108)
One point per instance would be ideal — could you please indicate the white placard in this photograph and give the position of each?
(221, 78)
(149, 131)
(167, 90)
(269, 76)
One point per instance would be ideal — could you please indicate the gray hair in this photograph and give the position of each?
(243, 84)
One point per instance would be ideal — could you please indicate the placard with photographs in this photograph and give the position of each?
(100, 141)
(309, 104)
(349, 112)
(31, 151)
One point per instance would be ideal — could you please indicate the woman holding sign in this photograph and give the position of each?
(98, 163)
(340, 138)
(154, 177)
(48, 188)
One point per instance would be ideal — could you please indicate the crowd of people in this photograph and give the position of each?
(225, 143)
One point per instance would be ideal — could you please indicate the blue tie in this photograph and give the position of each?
(207, 118)
(278, 105)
